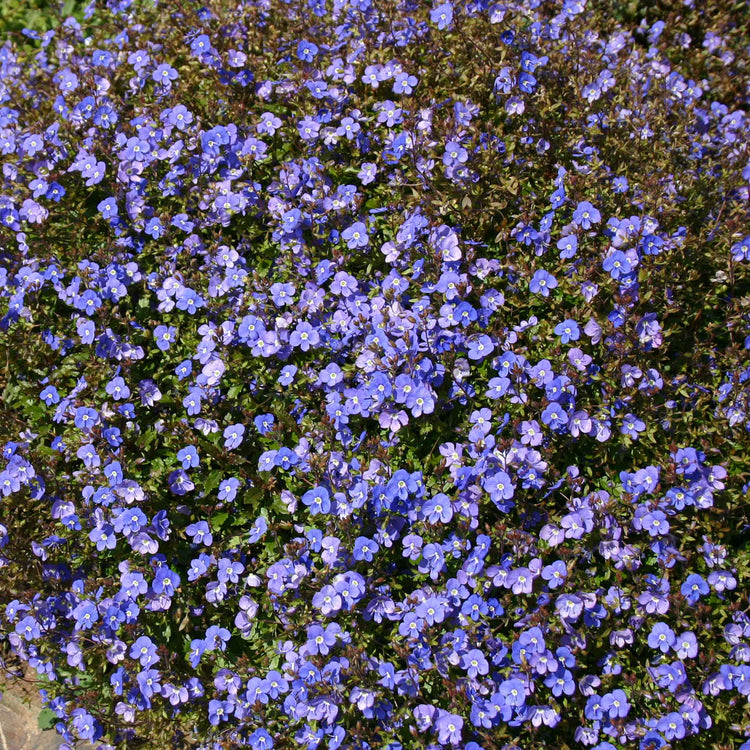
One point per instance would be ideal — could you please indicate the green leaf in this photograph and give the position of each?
(279, 506)
(212, 481)
(46, 719)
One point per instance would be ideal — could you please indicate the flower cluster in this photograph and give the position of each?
(377, 375)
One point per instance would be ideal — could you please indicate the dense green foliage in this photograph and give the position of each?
(376, 374)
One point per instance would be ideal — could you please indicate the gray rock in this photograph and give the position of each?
(19, 728)
(19, 721)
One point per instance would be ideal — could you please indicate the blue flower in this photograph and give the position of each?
(475, 663)
(260, 740)
(397, 148)
(87, 453)
(616, 704)
(567, 246)
(85, 725)
(165, 581)
(365, 548)
(327, 600)
(184, 369)
(304, 336)
(454, 154)
(318, 500)
(86, 330)
(671, 726)
(148, 682)
(129, 521)
(29, 628)
(480, 347)
(449, 727)
(499, 486)
(306, 51)
(331, 375)
(154, 228)
(568, 331)
(103, 537)
(258, 529)
(219, 711)
(287, 375)
(228, 489)
(437, 509)
(356, 236)
(694, 588)
(442, 15)
(180, 483)
(188, 456)
(585, 215)
(118, 389)
(555, 574)
(200, 533)
(741, 250)
(686, 646)
(85, 615)
(513, 692)
(144, 650)
(264, 423)
(197, 649)
(108, 208)
(542, 282)
(632, 426)
(617, 264)
(433, 561)
(233, 436)
(50, 395)
(85, 419)
(661, 637)
(164, 74)
(404, 83)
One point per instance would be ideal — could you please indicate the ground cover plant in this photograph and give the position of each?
(375, 374)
